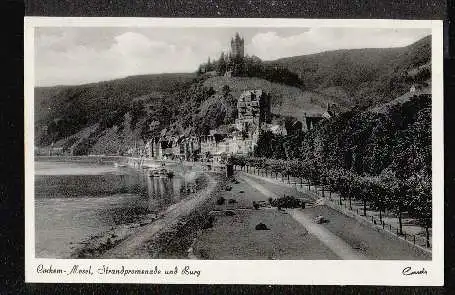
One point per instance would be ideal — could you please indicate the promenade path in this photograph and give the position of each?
(330, 240)
(234, 236)
(344, 235)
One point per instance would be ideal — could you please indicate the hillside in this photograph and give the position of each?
(286, 100)
(113, 116)
(107, 117)
(97, 94)
(383, 108)
(363, 76)
(397, 139)
(65, 110)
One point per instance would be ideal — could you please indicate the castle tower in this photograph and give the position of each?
(253, 110)
(237, 46)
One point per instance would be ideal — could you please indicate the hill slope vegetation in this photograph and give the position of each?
(113, 116)
(367, 76)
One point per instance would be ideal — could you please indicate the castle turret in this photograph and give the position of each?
(237, 46)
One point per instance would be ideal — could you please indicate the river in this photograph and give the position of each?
(77, 200)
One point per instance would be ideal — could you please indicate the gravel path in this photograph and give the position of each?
(371, 242)
(330, 240)
(234, 236)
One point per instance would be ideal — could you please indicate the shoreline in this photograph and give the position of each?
(154, 232)
(164, 228)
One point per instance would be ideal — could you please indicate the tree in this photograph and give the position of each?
(221, 64)
(377, 192)
(420, 203)
(397, 195)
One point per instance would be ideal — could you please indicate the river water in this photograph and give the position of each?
(76, 200)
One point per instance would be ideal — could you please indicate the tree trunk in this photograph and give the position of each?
(288, 179)
(364, 207)
(427, 231)
(380, 215)
(341, 203)
(301, 182)
(350, 202)
(400, 221)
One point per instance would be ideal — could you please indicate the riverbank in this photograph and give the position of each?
(166, 234)
(75, 190)
(291, 233)
(87, 159)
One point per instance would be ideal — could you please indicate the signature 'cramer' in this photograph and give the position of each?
(407, 271)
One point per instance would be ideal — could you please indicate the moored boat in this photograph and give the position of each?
(153, 173)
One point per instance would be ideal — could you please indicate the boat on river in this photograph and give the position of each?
(153, 173)
(161, 173)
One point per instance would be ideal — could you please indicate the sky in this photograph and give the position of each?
(78, 55)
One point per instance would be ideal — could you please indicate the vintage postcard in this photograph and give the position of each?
(234, 151)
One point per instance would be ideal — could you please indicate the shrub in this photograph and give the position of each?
(261, 226)
(229, 213)
(287, 202)
(208, 223)
(220, 201)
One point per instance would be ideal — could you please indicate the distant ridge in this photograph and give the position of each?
(369, 76)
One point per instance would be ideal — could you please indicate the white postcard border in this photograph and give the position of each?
(299, 272)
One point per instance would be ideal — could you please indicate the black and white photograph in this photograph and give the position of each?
(169, 147)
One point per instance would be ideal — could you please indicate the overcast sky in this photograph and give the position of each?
(80, 55)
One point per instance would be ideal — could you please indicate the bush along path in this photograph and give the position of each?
(368, 199)
(337, 245)
(337, 228)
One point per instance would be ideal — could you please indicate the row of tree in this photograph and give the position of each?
(384, 192)
(383, 159)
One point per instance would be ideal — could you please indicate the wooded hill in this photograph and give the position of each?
(112, 116)
(363, 76)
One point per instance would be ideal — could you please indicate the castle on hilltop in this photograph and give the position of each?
(228, 64)
(237, 47)
(236, 53)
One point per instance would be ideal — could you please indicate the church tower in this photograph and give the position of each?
(237, 46)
